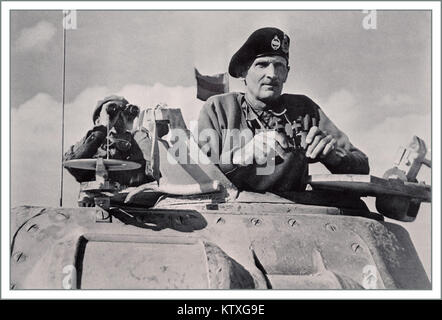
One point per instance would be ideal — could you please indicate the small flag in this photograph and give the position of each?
(70, 19)
(208, 86)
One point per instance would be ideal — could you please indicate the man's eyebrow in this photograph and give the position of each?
(269, 60)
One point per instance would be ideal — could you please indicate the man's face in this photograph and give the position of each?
(266, 76)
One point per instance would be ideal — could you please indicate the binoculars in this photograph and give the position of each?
(130, 110)
(296, 132)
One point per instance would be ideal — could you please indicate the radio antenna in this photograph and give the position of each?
(62, 109)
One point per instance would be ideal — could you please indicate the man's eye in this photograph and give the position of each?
(262, 64)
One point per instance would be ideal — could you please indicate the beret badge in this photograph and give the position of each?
(276, 43)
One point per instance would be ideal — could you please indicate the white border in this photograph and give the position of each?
(222, 5)
(435, 293)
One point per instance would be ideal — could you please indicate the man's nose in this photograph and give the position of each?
(271, 71)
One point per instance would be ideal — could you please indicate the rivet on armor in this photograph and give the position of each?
(33, 228)
(60, 216)
(356, 247)
(220, 221)
(19, 256)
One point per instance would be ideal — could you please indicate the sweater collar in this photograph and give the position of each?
(276, 109)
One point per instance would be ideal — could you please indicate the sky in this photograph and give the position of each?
(374, 84)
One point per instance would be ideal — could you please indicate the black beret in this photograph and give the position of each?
(262, 42)
(100, 103)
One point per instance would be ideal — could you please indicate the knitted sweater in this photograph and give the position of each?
(222, 114)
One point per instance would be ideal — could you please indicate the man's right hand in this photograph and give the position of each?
(263, 147)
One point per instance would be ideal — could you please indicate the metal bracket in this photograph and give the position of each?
(409, 161)
(102, 213)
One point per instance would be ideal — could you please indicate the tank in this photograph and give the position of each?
(193, 229)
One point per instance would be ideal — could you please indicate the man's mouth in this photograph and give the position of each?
(270, 86)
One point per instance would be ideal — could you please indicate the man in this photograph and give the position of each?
(115, 114)
(301, 133)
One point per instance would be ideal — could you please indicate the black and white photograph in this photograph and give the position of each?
(220, 152)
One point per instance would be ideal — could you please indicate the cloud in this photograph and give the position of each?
(36, 37)
(36, 136)
(377, 130)
(401, 104)
(396, 100)
(175, 97)
(35, 150)
(347, 108)
(341, 107)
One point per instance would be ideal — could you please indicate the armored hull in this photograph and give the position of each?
(257, 241)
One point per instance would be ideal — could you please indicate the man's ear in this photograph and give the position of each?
(286, 74)
(244, 75)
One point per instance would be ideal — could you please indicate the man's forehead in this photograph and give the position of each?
(273, 59)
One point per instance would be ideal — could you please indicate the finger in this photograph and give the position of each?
(265, 136)
(314, 131)
(340, 152)
(260, 158)
(257, 141)
(270, 145)
(132, 193)
(282, 140)
(330, 146)
(265, 144)
(269, 151)
(312, 145)
(279, 151)
(320, 146)
(136, 191)
(129, 197)
(259, 151)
